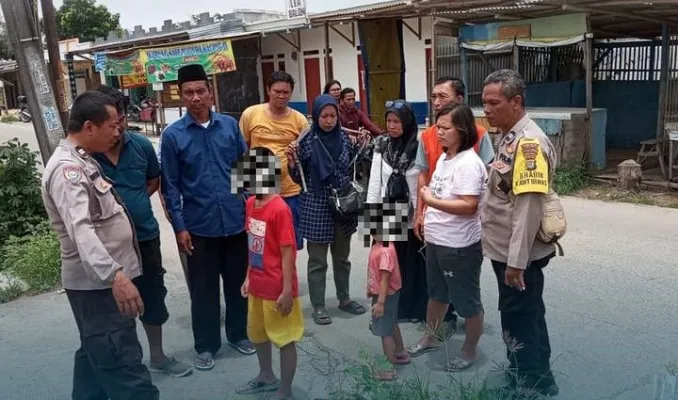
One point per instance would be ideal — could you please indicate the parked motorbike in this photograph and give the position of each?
(134, 113)
(24, 111)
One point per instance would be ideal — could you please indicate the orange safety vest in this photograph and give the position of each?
(433, 149)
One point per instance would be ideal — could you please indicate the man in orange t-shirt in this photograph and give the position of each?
(446, 90)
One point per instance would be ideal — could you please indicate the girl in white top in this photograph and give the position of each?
(452, 233)
(393, 178)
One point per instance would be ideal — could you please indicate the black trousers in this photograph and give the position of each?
(414, 293)
(108, 362)
(214, 257)
(523, 323)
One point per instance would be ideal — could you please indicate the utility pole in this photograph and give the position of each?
(52, 37)
(32, 74)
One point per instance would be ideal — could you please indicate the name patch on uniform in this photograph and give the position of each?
(531, 170)
(72, 173)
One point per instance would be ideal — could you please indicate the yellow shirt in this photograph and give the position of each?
(259, 128)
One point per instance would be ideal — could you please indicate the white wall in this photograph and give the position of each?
(415, 59)
(344, 56)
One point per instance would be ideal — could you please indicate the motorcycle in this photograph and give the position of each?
(24, 111)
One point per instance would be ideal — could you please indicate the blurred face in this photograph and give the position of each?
(393, 125)
(349, 100)
(197, 97)
(327, 119)
(279, 94)
(443, 95)
(500, 111)
(101, 138)
(335, 90)
(448, 136)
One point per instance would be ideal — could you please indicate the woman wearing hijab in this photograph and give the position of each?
(325, 153)
(393, 178)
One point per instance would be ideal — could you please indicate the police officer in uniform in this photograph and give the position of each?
(99, 257)
(519, 178)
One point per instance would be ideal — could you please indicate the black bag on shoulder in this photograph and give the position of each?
(348, 202)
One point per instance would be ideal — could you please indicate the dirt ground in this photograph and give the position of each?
(648, 196)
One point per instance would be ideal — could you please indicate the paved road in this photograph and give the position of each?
(610, 331)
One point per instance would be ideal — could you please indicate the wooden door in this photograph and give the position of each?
(312, 77)
(361, 83)
(267, 68)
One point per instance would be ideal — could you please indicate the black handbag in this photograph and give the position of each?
(348, 202)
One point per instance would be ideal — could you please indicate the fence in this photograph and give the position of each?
(536, 64)
(619, 60)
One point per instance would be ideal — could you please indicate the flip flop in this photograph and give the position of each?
(403, 359)
(385, 375)
(352, 307)
(458, 363)
(418, 349)
(321, 317)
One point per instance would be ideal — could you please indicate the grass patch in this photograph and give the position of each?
(9, 118)
(34, 258)
(358, 383)
(11, 292)
(571, 180)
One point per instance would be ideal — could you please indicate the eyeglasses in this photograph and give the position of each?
(397, 104)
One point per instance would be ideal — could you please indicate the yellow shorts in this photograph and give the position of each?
(265, 323)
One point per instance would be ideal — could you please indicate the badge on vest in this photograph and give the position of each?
(73, 174)
(531, 170)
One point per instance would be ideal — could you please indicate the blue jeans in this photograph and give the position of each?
(293, 204)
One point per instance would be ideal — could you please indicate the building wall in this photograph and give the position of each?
(345, 61)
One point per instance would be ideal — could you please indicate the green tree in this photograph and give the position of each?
(6, 50)
(85, 20)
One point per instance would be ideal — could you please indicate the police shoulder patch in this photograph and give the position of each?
(73, 173)
(531, 170)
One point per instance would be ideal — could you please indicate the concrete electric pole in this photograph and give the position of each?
(21, 27)
(56, 74)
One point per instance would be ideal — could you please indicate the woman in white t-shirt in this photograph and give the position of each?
(452, 233)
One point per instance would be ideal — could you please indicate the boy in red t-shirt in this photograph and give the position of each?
(274, 311)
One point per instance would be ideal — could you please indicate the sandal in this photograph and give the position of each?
(385, 375)
(403, 359)
(418, 349)
(458, 363)
(321, 317)
(257, 386)
(352, 307)
(204, 361)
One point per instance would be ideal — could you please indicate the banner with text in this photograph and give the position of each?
(163, 64)
(121, 64)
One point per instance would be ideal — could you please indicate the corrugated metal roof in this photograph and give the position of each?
(231, 35)
(130, 41)
(8, 66)
(277, 25)
(223, 27)
(359, 9)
